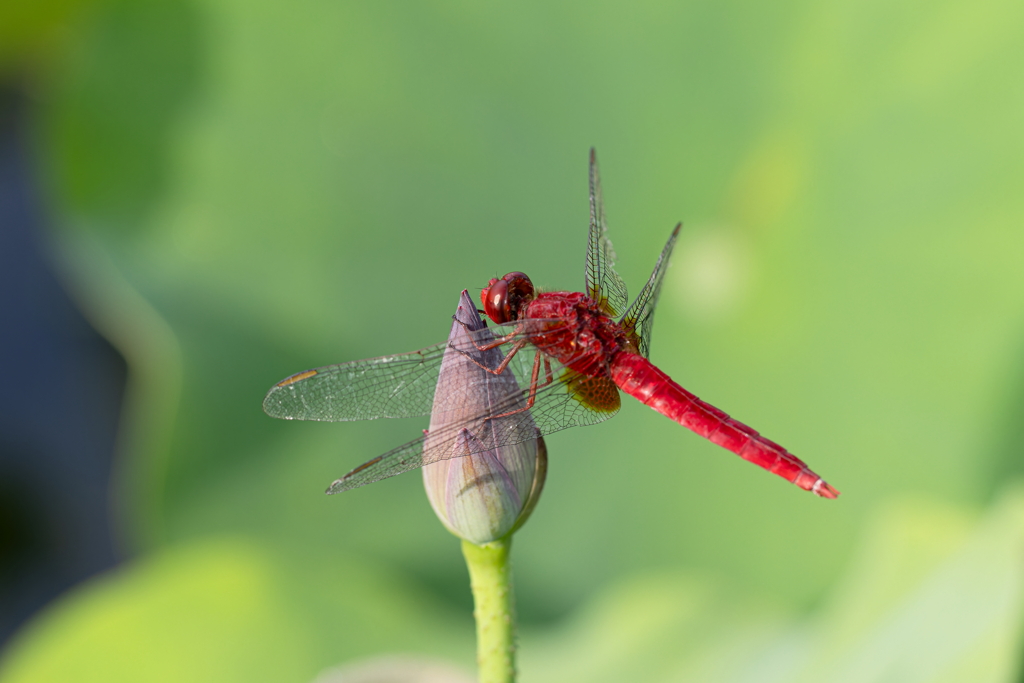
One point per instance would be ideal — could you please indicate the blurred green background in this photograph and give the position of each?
(240, 191)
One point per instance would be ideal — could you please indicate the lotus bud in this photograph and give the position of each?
(481, 492)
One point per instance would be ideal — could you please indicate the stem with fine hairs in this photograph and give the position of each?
(491, 581)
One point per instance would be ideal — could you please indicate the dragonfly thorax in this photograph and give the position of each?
(572, 327)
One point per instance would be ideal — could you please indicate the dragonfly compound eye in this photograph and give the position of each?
(495, 300)
(520, 292)
(504, 298)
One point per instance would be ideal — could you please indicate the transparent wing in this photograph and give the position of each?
(639, 319)
(492, 407)
(603, 284)
(401, 385)
(389, 386)
(558, 405)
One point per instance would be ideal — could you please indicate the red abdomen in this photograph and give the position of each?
(639, 378)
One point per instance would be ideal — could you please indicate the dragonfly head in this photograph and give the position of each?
(504, 299)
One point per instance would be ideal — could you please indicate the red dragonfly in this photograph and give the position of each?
(569, 352)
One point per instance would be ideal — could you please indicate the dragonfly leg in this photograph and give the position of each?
(492, 345)
(504, 363)
(534, 376)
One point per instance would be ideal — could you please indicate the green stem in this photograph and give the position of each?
(491, 581)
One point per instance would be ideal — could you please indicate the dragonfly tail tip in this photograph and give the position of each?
(824, 490)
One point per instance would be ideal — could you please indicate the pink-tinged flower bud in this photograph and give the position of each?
(483, 491)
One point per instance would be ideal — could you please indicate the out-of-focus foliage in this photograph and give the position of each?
(246, 190)
(30, 32)
(931, 596)
(934, 594)
(224, 609)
